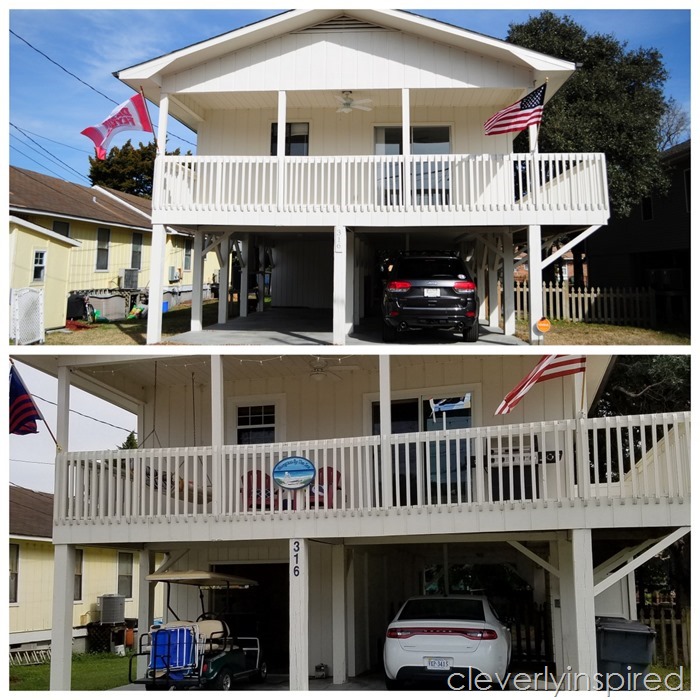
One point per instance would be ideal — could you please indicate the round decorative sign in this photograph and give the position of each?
(293, 473)
(543, 325)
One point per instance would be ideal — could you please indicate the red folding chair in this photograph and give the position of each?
(323, 489)
(258, 490)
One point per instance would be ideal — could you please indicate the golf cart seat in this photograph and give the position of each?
(214, 633)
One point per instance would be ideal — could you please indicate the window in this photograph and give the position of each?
(136, 246)
(187, 263)
(424, 139)
(62, 228)
(14, 571)
(256, 424)
(125, 574)
(39, 267)
(102, 263)
(78, 579)
(296, 142)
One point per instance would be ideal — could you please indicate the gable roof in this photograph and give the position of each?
(42, 194)
(149, 76)
(31, 512)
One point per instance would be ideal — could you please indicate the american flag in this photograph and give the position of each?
(23, 411)
(549, 367)
(519, 115)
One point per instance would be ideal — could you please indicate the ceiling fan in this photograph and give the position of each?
(320, 370)
(348, 103)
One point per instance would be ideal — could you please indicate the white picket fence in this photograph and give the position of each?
(618, 307)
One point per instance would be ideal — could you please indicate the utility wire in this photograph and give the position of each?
(80, 150)
(41, 165)
(84, 415)
(48, 58)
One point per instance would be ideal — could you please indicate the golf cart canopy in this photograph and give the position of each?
(203, 579)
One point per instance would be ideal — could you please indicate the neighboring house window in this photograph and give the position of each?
(136, 246)
(102, 263)
(125, 574)
(78, 577)
(647, 209)
(62, 228)
(14, 571)
(39, 267)
(187, 264)
(256, 424)
(296, 141)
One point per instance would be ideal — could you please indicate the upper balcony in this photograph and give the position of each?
(515, 189)
(629, 471)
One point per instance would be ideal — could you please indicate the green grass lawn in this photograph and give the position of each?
(89, 672)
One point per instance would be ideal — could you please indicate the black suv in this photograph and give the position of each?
(430, 289)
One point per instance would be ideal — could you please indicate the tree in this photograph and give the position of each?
(131, 443)
(674, 126)
(613, 103)
(127, 169)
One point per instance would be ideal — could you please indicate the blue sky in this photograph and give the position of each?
(51, 107)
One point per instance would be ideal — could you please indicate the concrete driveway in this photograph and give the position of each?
(315, 327)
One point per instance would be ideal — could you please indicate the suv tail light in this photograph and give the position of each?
(464, 287)
(469, 633)
(398, 286)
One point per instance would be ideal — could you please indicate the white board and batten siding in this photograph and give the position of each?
(303, 272)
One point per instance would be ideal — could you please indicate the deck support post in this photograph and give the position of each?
(578, 633)
(298, 614)
(245, 270)
(534, 264)
(154, 329)
(62, 617)
(343, 295)
(494, 307)
(197, 282)
(224, 277)
(508, 284)
(340, 670)
(147, 562)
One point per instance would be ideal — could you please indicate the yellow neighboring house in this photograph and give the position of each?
(99, 571)
(109, 238)
(41, 260)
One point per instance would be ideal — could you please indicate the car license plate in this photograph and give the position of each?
(431, 292)
(438, 664)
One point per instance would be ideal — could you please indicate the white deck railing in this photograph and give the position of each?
(631, 457)
(551, 182)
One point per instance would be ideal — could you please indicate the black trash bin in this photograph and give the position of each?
(625, 647)
(214, 290)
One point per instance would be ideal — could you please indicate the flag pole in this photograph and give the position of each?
(45, 422)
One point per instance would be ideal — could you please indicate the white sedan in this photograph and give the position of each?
(456, 639)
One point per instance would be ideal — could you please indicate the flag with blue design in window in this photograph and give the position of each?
(518, 116)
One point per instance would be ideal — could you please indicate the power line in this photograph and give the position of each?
(84, 415)
(41, 165)
(80, 150)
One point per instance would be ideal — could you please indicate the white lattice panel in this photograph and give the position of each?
(27, 316)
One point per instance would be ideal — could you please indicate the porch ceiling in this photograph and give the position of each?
(326, 99)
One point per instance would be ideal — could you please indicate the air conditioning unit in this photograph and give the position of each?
(173, 274)
(130, 278)
(111, 609)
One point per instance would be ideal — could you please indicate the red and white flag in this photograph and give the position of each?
(131, 115)
(519, 115)
(550, 367)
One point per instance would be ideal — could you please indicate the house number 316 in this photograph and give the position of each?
(295, 557)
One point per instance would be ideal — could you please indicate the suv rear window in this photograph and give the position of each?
(443, 609)
(428, 268)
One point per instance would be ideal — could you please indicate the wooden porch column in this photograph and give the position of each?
(406, 145)
(534, 263)
(146, 591)
(224, 277)
(197, 281)
(217, 429)
(343, 264)
(154, 328)
(508, 283)
(494, 308)
(578, 634)
(281, 146)
(62, 616)
(245, 267)
(480, 265)
(385, 427)
(298, 614)
(339, 668)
